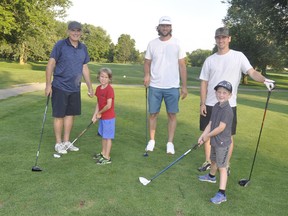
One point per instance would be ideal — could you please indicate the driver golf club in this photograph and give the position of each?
(59, 155)
(36, 168)
(146, 102)
(145, 181)
(245, 182)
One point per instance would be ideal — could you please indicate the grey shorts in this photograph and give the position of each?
(170, 96)
(219, 155)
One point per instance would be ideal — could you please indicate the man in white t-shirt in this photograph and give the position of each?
(225, 64)
(163, 67)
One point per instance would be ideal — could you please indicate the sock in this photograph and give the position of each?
(211, 176)
(222, 192)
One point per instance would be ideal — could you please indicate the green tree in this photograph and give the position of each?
(7, 21)
(125, 50)
(259, 29)
(27, 21)
(197, 57)
(97, 42)
(111, 53)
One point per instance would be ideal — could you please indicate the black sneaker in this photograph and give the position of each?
(205, 166)
(228, 170)
(104, 161)
(97, 156)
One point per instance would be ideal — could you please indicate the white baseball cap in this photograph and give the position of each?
(165, 20)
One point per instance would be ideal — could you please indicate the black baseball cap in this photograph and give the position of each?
(225, 84)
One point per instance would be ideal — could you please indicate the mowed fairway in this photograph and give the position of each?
(75, 185)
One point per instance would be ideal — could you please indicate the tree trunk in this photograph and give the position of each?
(23, 54)
(244, 79)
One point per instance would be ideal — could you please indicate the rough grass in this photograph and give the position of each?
(75, 185)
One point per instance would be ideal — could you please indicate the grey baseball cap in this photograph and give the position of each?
(225, 84)
(74, 25)
(223, 31)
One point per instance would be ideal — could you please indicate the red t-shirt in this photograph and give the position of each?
(102, 96)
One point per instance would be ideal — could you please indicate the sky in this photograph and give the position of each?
(193, 21)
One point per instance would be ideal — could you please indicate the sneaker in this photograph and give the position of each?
(170, 148)
(228, 170)
(150, 146)
(70, 147)
(205, 166)
(60, 148)
(98, 156)
(218, 198)
(207, 178)
(103, 161)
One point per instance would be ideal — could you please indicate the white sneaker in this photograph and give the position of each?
(170, 148)
(70, 147)
(150, 146)
(60, 148)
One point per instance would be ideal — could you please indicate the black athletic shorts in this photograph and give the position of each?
(204, 120)
(65, 103)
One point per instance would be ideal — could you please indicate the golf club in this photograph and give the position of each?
(145, 181)
(245, 182)
(57, 155)
(146, 102)
(36, 168)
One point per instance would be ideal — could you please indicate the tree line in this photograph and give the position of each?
(30, 28)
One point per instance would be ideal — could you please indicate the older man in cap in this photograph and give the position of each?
(68, 64)
(225, 64)
(164, 61)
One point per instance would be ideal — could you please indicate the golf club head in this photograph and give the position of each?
(57, 155)
(144, 181)
(244, 182)
(36, 169)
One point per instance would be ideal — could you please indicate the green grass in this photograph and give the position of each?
(75, 185)
(12, 74)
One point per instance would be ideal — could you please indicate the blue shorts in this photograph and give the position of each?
(106, 128)
(171, 98)
(65, 103)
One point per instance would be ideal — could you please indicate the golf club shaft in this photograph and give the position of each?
(174, 162)
(80, 134)
(268, 97)
(146, 102)
(42, 129)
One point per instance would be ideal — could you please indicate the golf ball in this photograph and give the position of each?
(124, 76)
(56, 156)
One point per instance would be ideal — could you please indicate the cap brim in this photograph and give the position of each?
(222, 35)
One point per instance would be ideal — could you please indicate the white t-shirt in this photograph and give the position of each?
(165, 65)
(229, 67)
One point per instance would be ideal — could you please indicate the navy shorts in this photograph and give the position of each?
(171, 98)
(204, 120)
(65, 103)
(106, 128)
